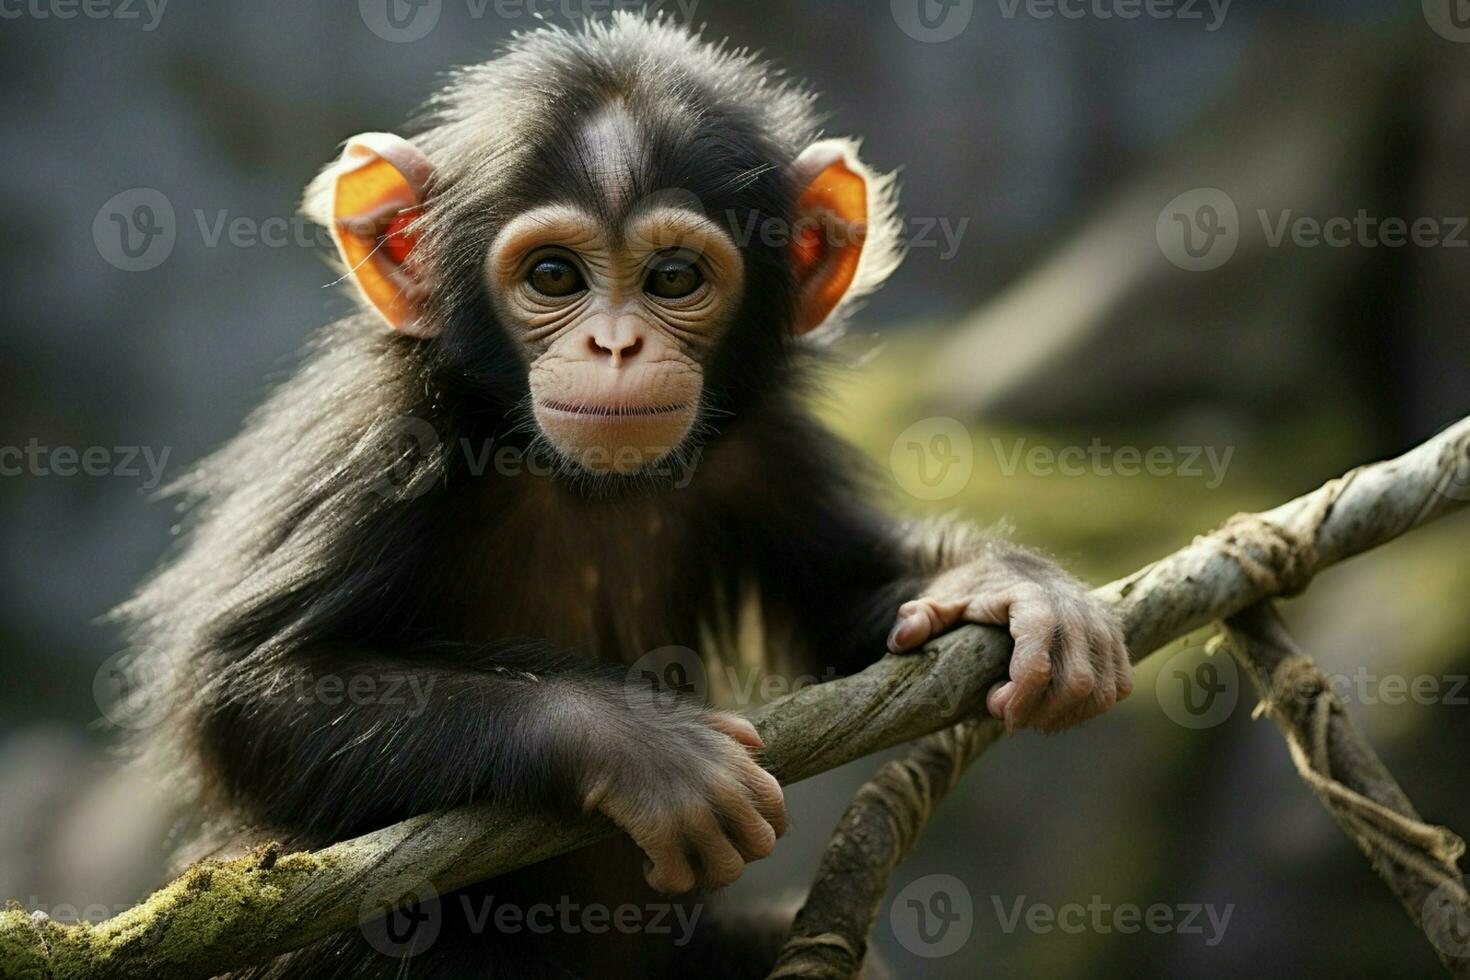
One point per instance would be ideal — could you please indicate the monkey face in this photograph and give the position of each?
(587, 243)
(616, 325)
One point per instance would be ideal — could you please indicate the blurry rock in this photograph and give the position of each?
(1122, 319)
(81, 835)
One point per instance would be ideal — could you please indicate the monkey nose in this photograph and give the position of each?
(616, 347)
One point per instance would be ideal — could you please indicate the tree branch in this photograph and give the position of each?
(829, 937)
(1277, 553)
(1418, 861)
(223, 915)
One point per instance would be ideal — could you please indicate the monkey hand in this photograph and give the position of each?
(1070, 661)
(695, 800)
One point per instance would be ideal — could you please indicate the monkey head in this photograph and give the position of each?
(617, 325)
(647, 247)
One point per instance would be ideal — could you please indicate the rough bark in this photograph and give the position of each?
(1417, 861)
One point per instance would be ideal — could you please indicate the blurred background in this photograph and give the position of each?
(1228, 239)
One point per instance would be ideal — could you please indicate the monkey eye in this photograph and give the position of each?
(673, 277)
(555, 277)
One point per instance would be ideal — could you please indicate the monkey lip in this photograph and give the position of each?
(612, 411)
(609, 435)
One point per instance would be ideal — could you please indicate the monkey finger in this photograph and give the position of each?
(921, 619)
(668, 869)
(767, 797)
(1122, 663)
(751, 834)
(1102, 658)
(719, 863)
(1031, 673)
(1000, 695)
(737, 728)
(1078, 713)
(1077, 691)
(1123, 674)
(995, 607)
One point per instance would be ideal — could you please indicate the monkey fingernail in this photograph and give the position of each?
(908, 631)
(999, 697)
(749, 736)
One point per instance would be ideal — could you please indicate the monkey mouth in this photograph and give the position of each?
(613, 411)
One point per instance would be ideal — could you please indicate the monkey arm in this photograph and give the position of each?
(330, 744)
(327, 747)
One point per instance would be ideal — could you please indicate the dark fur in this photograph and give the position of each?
(320, 545)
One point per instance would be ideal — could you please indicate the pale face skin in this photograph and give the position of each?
(615, 325)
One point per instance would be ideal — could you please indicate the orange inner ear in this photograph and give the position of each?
(825, 255)
(363, 194)
(398, 241)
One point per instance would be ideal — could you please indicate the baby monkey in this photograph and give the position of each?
(565, 429)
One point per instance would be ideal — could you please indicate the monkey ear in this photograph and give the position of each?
(368, 198)
(847, 239)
